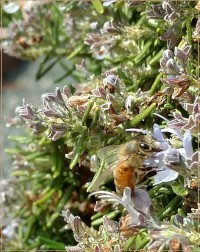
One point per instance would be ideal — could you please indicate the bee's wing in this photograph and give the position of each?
(108, 158)
(109, 155)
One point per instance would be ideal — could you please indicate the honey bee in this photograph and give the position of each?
(125, 163)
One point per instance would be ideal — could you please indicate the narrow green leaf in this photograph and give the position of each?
(179, 189)
(95, 178)
(77, 151)
(87, 112)
(20, 173)
(169, 208)
(31, 223)
(44, 69)
(45, 197)
(75, 52)
(35, 155)
(144, 52)
(143, 242)
(138, 118)
(110, 215)
(95, 118)
(51, 243)
(157, 57)
(65, 75)
(20, 139)
(96, 216)
(60, 205)
(98, 6)
(155, 85)
(129, 243)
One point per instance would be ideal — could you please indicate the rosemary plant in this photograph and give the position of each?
(134, 66)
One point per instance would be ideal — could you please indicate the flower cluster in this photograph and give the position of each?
(88, 238)
(29, 114)
(180, 161)
(27, 38)
(113, 39)
(169, 12)
(112, 49)
(140, 214)
(108, 104)
(192, 122)
(174, 66)
(60, 111)
(101, 41)
(165, 10)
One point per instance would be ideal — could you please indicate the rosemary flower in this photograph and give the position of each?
(164, 10)
(108, 2)
(129, 3)
(173, 65)
(167, 11)
(172, 161)
(155, 11)
(10, 7)
(175, 242)
(138, 205)
(192, 122)
(30, 114)
(101, 41)
(26, 38)
(88, 238)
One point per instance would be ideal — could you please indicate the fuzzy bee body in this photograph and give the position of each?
(124, 176)
(125, 162)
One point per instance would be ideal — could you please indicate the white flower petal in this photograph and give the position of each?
(11, 7)
(159, 136)
(187, 144)
(166, 175)
(174, 130)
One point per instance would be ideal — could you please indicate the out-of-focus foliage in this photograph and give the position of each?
(135, 64)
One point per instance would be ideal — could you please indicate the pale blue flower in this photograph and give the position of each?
(171, 161)
(108, 2)
(138, 205)
(11, 7)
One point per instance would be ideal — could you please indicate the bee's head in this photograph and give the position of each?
(147, 145)
(131, 148)
(143, 145)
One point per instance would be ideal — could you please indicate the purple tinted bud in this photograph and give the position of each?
(172, 67)
(67, 92)
(172, 35)
(168, 54)
(94, 26)
(182, 56)
(178, 220)
(172, 157)
(156, 12)
(57, 131)
(174, 161)
(110, 226)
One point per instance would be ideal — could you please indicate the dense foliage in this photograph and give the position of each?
(135, 70)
